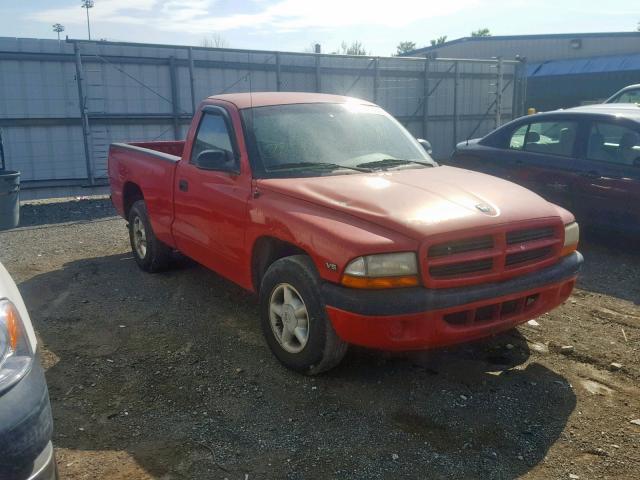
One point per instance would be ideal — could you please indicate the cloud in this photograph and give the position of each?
(200, 16)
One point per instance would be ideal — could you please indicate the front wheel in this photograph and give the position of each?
(150, 254)
(294, 320)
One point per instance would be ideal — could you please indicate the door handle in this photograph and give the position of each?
(183, 185)
(590, 174)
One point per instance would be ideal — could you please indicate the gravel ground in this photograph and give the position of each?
(166, 376)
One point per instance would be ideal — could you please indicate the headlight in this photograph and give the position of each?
(571, 238)
(386, 270)
(15, 350)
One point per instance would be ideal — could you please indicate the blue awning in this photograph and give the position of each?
(614, 63)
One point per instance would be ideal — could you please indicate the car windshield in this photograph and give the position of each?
(329, 139)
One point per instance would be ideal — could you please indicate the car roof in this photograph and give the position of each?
(630, 111)
(262, 99)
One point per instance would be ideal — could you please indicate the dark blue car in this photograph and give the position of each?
(586, 159)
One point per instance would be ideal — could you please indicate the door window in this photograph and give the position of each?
(614, 144)
(517, 139)
(213, 134)
(551, 138)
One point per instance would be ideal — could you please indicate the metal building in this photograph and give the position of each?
(63, 103)
(562, 70)
(537, 48)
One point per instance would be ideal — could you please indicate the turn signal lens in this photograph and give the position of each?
(383, 270)
(380, 282)
(12, 327)
(16, 356)
(571, 238)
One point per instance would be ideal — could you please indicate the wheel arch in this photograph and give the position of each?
(265, 251)
(131, 193)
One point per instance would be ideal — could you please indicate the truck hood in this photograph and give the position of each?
(420, 202)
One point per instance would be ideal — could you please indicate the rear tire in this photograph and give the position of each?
(293, 317)
(150, 254)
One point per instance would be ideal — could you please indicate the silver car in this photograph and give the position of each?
(26, 425)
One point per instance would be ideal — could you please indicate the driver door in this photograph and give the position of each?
(211, 205)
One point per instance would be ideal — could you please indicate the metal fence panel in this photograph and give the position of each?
(145, 92)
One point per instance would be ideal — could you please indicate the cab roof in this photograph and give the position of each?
(263, 99)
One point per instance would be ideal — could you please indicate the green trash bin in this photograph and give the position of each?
(9, 199)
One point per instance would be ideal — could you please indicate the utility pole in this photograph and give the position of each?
(88, 4)
(58, 28)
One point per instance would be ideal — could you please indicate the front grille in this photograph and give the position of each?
(527, 256)
(490, 256)
(521, 236)
(460, 246)
(461, 268)
(493, 312)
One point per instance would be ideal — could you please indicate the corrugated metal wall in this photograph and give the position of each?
(539, 48)
(144, 92)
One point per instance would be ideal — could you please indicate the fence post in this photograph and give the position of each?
(425, 101)
(278, 72)
(174, 98)
(456, 78)
(376, 78)
(86, 129)
(192, 81)
(318, 82)
(523, 86)
(499, 86)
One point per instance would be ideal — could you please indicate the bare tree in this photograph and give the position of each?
(215, 41)
(356, 48)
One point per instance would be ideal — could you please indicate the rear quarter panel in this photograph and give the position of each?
(153, 174)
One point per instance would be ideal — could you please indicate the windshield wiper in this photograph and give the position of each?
(392, 162)
(333, 166)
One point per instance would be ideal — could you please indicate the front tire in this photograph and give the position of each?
(150, 254)
(294, 320)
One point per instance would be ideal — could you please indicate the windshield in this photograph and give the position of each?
(326, 138)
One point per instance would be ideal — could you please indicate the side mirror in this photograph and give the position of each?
(219, 160)
(426, 145)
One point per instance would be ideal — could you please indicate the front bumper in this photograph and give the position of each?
(26, 427)
(419, 318)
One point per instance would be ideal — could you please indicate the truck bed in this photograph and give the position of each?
(150, 166)
(174, 148)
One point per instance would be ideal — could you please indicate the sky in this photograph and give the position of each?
(295, 25)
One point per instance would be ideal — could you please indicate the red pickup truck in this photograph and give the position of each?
(349, 232)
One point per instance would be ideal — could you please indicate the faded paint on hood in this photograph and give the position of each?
(420, 202)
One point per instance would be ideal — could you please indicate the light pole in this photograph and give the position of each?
(88, 4)
(58, 28)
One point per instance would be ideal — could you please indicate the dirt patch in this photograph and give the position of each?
(166, 376)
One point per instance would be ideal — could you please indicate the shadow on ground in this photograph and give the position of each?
(83, 210)
(610, 265)
(172, 369)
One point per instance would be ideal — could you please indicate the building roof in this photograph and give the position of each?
(613, 63)
(545, 36)
(263, 99)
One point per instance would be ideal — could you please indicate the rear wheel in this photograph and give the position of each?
(150, 254)
(294, 320)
